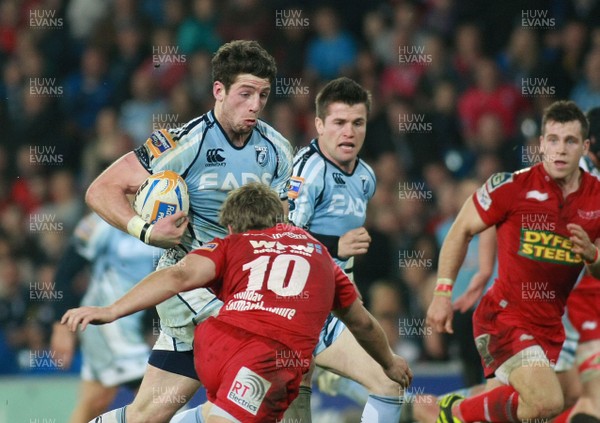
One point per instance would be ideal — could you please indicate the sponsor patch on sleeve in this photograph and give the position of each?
(159, 142)
(294, 186)
(210, 246)
(483, 197)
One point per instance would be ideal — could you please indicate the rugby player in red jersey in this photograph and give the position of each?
(517, 325)
(278, 285)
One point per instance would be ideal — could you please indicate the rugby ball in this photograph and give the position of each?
(162, 194)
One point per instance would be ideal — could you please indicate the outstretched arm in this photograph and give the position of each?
(371, 337)
(193, 271)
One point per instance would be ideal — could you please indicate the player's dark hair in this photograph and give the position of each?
(252, 206)
(341, 90)
(593, 116)
(242, 56)
(565, 111)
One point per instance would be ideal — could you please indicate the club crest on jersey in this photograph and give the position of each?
(365, 184)
(248, 390)
(262, 155)
(159, 142)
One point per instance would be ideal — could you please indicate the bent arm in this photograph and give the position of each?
(107, 195)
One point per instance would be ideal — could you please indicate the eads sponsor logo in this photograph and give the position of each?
(547, 246)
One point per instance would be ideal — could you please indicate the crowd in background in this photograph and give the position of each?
(458, 91)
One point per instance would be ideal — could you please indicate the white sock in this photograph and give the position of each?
(380, 409)
(113, 416)
(189, 416)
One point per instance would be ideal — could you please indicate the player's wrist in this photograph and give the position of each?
(596, 258)
(140, 229)
(443, 287)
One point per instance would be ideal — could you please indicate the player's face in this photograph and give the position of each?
(342, 133)
(237, 109)
(562, 145)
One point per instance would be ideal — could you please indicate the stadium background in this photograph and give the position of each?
(458, 89)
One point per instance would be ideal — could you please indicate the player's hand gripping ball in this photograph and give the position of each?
(162, 194)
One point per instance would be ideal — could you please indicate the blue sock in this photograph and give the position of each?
(380, 409)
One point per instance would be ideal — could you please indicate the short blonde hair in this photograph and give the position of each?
(252, 206)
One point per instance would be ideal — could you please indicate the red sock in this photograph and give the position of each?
(497, 405)
(563, 417)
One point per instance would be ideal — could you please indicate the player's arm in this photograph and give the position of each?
(587, 249)
(62, 342)
(487, 259)
(193, 271)
(107, 196)
(371, 337)
(468, 223)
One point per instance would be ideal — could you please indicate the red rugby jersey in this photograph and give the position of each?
(279, 282)
(536, 267)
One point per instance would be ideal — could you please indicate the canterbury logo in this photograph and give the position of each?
(339, 179)
(214, 156)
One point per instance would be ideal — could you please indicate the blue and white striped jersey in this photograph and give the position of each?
(118, 260)
(326, 200)
(211, 165)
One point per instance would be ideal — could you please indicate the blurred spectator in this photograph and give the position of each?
(83, 15)
(86, 92)
(521, 57)
(587, 91)
(246, 20)
(199, 31)
(109, 143)
(440, 16)
(139, 114)
(9, 20)
(129, 54)
(468, 41)
(332, 52)
(198, 81)
(167, 64)
(490, 95)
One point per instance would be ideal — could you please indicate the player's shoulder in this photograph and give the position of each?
(273, 136)
(366, 168)
(309, 160)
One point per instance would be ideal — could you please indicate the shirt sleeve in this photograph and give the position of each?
(345, 291)
(172, 149)
(305, 187)
(493, 199)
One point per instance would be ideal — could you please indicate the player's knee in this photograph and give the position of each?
(149, 413)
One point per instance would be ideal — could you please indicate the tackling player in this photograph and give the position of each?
(115, 354)
(263, 273)
(329, 190)
(518, 332)
(215, 153)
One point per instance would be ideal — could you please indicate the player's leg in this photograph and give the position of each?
(347, 358)
(532, 392)
(588, 361)
(299, 409)
(94, 398)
